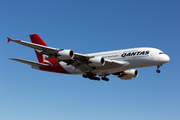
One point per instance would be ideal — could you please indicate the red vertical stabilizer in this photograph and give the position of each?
(37, 40)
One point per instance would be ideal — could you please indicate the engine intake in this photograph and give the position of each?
(128, 74)
(96, 62)
(65, 55)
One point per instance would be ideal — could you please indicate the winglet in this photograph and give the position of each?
(8, 40)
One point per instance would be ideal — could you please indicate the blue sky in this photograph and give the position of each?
(88, 27)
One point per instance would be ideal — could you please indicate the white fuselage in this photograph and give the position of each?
(133, 58)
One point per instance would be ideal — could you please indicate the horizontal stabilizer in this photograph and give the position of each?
(30, 62)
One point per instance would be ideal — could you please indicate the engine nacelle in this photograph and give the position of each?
(65, 55)
(96, 62)
(128, 74)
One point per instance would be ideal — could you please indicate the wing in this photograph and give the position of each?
(79, 61)
(33, 45)
(84, 67)
(30, 62)
(113, 63)
(45, 50)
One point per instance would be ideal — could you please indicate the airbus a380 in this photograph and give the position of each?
(93, 66)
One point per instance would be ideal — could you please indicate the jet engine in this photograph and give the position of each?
(96, 62)
(128, 74)
(65, 55)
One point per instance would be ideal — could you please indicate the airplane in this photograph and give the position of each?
(94, 66)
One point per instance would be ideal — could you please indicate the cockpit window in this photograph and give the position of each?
(161, 53)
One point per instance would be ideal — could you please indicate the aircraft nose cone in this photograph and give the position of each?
(163, 58)
(166, 58)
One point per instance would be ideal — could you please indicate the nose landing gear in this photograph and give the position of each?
(158, 71)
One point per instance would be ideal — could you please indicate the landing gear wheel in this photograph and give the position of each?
(158, 71)
(158, 66)
(91, 76)
(105, 78)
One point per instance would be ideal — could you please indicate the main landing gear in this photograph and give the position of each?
(105, 78)
(158, 71)
(92, 77)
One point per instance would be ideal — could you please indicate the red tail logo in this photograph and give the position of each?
(37, 40)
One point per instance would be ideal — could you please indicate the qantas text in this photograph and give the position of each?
(135, 53)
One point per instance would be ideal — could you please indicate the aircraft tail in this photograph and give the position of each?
(37, 40)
